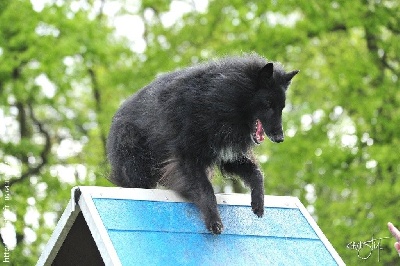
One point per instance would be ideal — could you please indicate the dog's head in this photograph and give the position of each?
(269, 101)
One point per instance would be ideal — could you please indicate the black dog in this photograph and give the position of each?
(177, 128)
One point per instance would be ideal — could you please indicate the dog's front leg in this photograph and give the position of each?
(248, 170)
(191, 181)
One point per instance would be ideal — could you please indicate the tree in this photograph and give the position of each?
(60, 67)
(340, 154)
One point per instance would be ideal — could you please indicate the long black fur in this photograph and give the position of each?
(174, 130)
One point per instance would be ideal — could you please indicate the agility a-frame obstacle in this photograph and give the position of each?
(122, 226)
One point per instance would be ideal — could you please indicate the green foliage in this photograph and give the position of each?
(63, 73)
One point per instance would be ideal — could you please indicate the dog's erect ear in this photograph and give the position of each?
(266, 72)
(291, 74)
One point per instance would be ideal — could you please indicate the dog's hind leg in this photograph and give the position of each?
(130, 158)
(133, 171)
(136, 173)
(192, 183)
(250, 173)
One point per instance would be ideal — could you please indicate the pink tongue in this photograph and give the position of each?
(259, 132)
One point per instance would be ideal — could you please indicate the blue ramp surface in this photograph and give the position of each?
(145, 232)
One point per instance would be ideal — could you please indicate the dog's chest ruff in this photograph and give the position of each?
(228, 154)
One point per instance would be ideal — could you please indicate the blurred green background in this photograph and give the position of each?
(66, 66)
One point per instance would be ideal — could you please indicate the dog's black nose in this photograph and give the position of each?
(276, 138)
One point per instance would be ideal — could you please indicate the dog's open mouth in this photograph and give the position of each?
(258, 133)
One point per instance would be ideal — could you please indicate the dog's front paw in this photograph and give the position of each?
(257, 205)
(215, 227)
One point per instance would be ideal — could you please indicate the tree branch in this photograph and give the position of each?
(98, 107)
(44, 154)
(386, 63)
(101, 10)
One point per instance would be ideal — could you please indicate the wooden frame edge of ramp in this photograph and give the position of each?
(132, 226)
